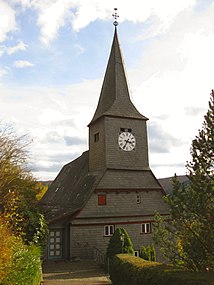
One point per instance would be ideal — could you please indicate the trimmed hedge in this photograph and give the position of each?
(130, 270)
(26, 266)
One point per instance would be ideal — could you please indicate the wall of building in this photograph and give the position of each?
(106, 153)
(87, 238)
(125, 203)
(121, 210)
(97, 158)
(118, 158)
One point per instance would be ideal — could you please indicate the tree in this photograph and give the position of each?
(120, 242)
(18, 189)
(187, 237)
(6, 249)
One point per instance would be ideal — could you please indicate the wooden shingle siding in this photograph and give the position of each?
(124, 204)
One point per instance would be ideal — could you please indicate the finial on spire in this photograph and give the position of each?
(115, 16)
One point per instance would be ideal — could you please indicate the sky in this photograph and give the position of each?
(53, 56)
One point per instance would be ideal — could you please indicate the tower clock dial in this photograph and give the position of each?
(126, 141)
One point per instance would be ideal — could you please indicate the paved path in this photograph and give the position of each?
(71, 273)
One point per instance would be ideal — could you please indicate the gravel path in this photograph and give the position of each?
(71, 273)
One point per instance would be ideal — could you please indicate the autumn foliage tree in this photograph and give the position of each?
(6, 249)
(18, 189)
(187, 237)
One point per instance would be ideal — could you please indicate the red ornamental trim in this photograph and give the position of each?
(116, 217)
(112, 223)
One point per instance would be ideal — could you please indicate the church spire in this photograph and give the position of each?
(114, 97)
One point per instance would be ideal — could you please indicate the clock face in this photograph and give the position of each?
(126, 141)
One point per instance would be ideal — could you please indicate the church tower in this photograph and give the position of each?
(110, 185)
(117, 131)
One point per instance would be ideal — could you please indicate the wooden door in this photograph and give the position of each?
(55, 244)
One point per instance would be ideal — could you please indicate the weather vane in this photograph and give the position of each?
(115, 16)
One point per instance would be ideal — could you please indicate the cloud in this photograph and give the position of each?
(20, 46)
(79, 49)
(63, 156)
(57, 121)
(22, 64)
(49, 167)
(7, 20)
(65, 122)
(2, 50)
(52, 162)
(52, 15)
(55, 14)
(174, 75)
(58, 137)
(89, 11)
(69, 140)
(52, 137)
(2, 72)
(168, 164)
(160, 141)
(194, 111)
(24, 3)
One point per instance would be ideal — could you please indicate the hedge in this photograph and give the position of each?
(26, 266)
(130, 270)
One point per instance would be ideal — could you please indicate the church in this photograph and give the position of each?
(111, 184)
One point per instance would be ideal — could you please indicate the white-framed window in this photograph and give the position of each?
(108, 230)
(136, 253)
(138, 198)
(146, 228)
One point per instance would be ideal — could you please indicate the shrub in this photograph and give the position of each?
(152, 253)
(120, 242)
(6, 249)
(26, 265)
(131, 270)
(127, 243)
(148, 253)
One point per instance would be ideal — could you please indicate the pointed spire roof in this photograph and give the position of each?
(114, 97)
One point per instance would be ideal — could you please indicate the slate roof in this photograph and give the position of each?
(70, 190)
(114, 99)
(129, 179)
(74, 185)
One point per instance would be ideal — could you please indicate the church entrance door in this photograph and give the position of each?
(55, 244)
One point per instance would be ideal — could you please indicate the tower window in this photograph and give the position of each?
(96, 137)
(101, 200)
(126, 130)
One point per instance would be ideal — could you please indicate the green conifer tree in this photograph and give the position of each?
(120, 242)
(187, 238)
(127, 243)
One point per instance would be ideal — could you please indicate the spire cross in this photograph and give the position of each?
(115, 16)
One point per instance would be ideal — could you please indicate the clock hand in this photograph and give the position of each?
(125, 143)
